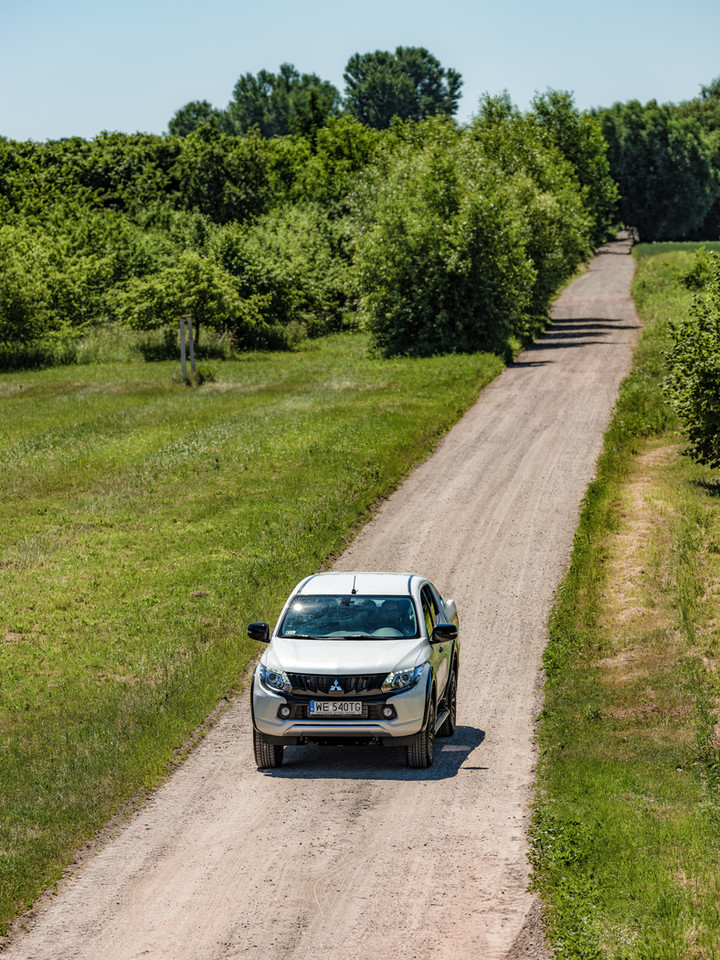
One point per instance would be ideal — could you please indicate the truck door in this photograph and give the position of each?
(440, 656)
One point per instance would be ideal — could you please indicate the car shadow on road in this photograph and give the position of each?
(379, 763)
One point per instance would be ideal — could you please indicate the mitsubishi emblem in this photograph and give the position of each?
(336, 686)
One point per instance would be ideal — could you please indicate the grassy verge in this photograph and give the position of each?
(626, 833)
(142, 525)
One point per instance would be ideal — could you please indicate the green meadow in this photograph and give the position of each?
(143, 524)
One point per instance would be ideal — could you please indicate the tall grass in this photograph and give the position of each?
(142, 525)
(112, 343)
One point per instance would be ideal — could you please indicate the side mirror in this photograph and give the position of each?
(444, 632)
(259, 632)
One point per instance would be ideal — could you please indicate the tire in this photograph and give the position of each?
(268, 756)
(421, 753)
(450, 722)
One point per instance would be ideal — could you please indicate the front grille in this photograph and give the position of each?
(311, 685)
(371, 711)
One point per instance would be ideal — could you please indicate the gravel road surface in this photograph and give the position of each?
(345, 852)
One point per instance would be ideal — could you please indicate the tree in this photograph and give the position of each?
(705, 109)
(579, 138)
(663, 164)
(280, 104)
(559, 228)
(694, 364)
(194, 285)
(224, 178)
(189, 117)
(410, 84)
(23, 290)
(441, 262)
(343, 148)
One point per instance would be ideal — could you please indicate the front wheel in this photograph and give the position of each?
(268, 756)
(421, 752)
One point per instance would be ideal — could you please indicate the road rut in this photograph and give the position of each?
(345, 852)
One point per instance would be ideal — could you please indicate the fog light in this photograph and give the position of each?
(388, 712)
(285, 712)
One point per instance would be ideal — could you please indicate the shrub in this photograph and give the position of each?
(701, 271)
(224, 178)
(23, 291)
(558, 226)
(195, 285)
(694, 364)
(442, 266)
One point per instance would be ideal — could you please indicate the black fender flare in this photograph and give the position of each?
(428, 698)
(252, 701)
(454, 662)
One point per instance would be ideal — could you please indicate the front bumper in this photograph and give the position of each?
(409, 706)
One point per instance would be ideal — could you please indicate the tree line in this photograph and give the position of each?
(665, 159)
(295, 213)
(409, 83)
(432, 236)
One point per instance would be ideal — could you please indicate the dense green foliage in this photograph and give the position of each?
(666, 161)
(191, 116)
(579, 139)
(693, 381)
(434, 237)
(464, 236)
(408, 84)
(442, 264)
(282, 103)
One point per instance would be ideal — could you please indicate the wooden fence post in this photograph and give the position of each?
(192, 342)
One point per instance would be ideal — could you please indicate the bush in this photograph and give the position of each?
(307, 255)
(464, 237)
(224, 178)
(558, 227)
(701, 271)
(194, 285)
(23, 290)
(443, 266)
(694, 364)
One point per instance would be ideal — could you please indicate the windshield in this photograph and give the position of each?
(352, 617)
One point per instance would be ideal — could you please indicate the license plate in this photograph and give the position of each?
(335, 708)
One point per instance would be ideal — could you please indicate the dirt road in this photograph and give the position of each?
(344, 852)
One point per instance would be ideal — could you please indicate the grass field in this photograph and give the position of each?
(142, 525)
(643, 250)
(626, 835)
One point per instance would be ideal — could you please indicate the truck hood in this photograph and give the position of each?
(350, 657)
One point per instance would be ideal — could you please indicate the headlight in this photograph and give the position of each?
(275, 679)
(402, 679)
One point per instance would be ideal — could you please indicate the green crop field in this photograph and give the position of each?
(142, 525)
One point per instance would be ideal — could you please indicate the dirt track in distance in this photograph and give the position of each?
(344, 852)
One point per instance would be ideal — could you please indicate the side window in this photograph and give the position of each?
(430, 609)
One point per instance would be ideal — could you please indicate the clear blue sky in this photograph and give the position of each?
(77, 67)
